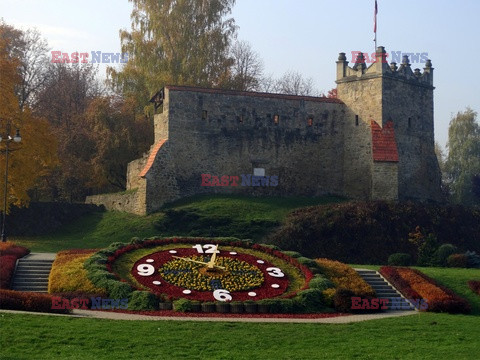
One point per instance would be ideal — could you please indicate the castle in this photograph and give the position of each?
(375, 141)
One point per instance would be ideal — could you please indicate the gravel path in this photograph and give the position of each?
(123, 316)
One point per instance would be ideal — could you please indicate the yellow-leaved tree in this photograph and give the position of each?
(35, 155)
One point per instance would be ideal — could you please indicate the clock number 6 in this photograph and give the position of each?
(209, 248)
(222, 295)
(275, 272)
(145, 270)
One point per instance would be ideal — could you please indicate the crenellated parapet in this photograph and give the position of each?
(381, 68)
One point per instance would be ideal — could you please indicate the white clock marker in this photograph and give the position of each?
(187, 292)
(172, 251)
(150, 260)
(260, 261)
(156, 282)
(252, 294)
(275, 286)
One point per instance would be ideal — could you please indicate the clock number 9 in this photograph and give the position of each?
(275, 272)
(209, 248)
(222, 295)
(145, 270)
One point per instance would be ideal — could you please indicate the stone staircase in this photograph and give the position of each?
(384, 290)
(31, 273)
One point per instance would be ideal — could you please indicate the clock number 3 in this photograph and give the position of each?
(145, 270)
(275, 272)
(209, 248)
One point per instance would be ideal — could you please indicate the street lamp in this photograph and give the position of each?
(17, 138)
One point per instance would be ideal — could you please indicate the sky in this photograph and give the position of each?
(299, 35)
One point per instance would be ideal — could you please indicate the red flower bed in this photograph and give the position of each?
(475, 286)
(415, 285)
(9, 253)
(10, 248)
(7, 267)
(28, 301)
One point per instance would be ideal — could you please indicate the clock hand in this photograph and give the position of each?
(211, 263)
(199, 262)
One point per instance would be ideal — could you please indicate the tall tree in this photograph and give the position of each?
(463, 160)
(247, 68)
(181, 42)
(36, 154)
(293, 83)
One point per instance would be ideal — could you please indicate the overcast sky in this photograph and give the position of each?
(301, 35)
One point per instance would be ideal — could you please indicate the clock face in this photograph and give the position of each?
(209, 273)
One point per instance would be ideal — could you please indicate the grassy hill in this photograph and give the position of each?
(220, 215)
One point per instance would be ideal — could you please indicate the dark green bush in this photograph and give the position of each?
(293, 254)
(320, 282)
(310, 300)
(306, 261)
(142, 300)
(473, 259)
(400, 259)
(182, 305)
(348, 232)
(442, 253)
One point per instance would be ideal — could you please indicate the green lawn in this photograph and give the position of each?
(230, 215)
(422, 336)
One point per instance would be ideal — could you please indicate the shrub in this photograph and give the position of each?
(310, 300)
(347, 232)
(400, 259)
(69, 275)
(343, 276)
(7, 268)
(474, 285)
(182, 305)
(27, 301)
(142, 300)
(10, 248)
(283, 306)
(457, 260)
(441, 255)
(342, 300)
(306, 261)
(320, 282)
(426, 246)
(440, 299)
(473, 259)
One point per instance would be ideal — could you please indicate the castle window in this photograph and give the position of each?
(204, 114)
(310, 121)
(409, 122)
(276, 119)
(356, 120)
(240, 119)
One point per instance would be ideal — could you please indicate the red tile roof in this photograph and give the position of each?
(151, 158)
(384, 146)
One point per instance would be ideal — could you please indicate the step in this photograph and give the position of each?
(384, 290)
(29, 273)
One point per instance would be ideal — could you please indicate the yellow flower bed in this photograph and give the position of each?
(189, 275)
(68, 274)
(343, 276)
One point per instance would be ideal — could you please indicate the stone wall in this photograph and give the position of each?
(127, 201)
(385, 181)
(298, 139)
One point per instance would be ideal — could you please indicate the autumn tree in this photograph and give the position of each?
(463, 160)
(181, 42)
(36, 154)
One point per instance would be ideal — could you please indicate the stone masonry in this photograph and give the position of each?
(374, 142)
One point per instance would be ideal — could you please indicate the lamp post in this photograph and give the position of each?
(17, 138)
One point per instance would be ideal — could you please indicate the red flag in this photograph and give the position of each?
(375, 18)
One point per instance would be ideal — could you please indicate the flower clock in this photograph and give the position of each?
(213, 272)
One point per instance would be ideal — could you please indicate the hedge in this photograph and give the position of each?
(348, 232)
(415, 285)
(27, 301)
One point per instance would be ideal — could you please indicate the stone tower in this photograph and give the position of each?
(389, 101)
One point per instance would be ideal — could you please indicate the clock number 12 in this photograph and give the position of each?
(209, 249)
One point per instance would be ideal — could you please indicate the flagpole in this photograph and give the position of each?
(375, 25)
